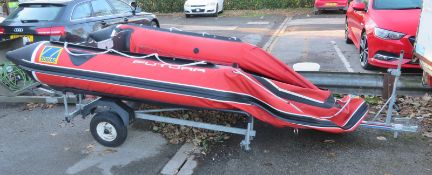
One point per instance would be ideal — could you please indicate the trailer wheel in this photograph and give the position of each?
(108, 129)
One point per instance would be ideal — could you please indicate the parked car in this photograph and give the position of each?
(69, 20)
(203, 7)
(380, 29)
(330, 5)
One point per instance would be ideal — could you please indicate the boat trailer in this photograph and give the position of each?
(111, 118)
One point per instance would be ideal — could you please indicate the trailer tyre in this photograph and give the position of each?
(108, 129)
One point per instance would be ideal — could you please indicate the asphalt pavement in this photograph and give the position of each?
(39, 141)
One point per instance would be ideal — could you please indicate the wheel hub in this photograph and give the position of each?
(106, 131)
(364, 54)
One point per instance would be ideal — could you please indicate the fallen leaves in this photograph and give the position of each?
(427, 134)
(89, 148)
(329, 141)
(177, 134)
(417, 109)
(32, 106)
(382, 138)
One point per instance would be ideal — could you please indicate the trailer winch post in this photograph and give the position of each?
(390, 103)
(396, 73)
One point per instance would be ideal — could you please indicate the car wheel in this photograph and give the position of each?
(347, 39)
(364, 53)
(317, 12)
(108, 129)
(154, 24)
(188, 16)
(217, 11)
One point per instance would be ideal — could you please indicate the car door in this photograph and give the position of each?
(356, 22)
(103, 13)
(81, 23)
(122, 10)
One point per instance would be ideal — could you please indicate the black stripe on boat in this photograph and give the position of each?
(328, 104)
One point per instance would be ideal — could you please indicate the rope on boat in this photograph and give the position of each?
(156, 55)
(171, 29)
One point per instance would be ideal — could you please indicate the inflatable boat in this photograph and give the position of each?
(207, 47)
(188, 82)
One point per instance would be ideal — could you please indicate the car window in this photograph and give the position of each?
(101, 8)
(82, 11)
(120, 6)
(397, 4)
(35, 12)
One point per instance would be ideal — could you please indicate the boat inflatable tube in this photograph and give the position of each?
(187, 83)
(213, 48)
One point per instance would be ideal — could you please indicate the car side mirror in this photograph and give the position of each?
(134, 7)
(359, 7)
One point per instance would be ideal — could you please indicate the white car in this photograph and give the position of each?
(203, 7)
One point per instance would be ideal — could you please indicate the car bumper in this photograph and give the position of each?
(327, 6)
(200, 10)
(385, 53)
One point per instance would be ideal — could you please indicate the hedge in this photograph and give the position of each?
(177, 5)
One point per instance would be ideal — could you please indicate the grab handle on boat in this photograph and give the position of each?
(156, 55)
(342, 109)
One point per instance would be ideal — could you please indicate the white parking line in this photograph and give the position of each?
(258, 23)
(317, 21)
(271, 42)
(342, 57)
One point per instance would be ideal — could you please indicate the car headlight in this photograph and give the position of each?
(387, 34)
(187, 4)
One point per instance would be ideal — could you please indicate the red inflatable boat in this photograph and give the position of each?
(188, 83)
(207, 47)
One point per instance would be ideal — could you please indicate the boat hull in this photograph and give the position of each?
(203, 85)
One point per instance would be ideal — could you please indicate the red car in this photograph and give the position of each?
(380, 29)
(321, 5)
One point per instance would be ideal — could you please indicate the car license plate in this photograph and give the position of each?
(198, 10)
(331, 4)
(30, 37)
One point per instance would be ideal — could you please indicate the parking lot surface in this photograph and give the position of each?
(38, 141)
(255, 30)
(310, 38)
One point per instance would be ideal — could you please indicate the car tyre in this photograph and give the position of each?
(217, 11)
(108, 129)
(364, 53)
(188, 16)
(154, 24)
(347, 39)
(316, 12)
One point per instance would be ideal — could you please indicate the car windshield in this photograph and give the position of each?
(35, 12)
(397, 4)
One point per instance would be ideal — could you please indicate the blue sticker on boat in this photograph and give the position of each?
(50, 55)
